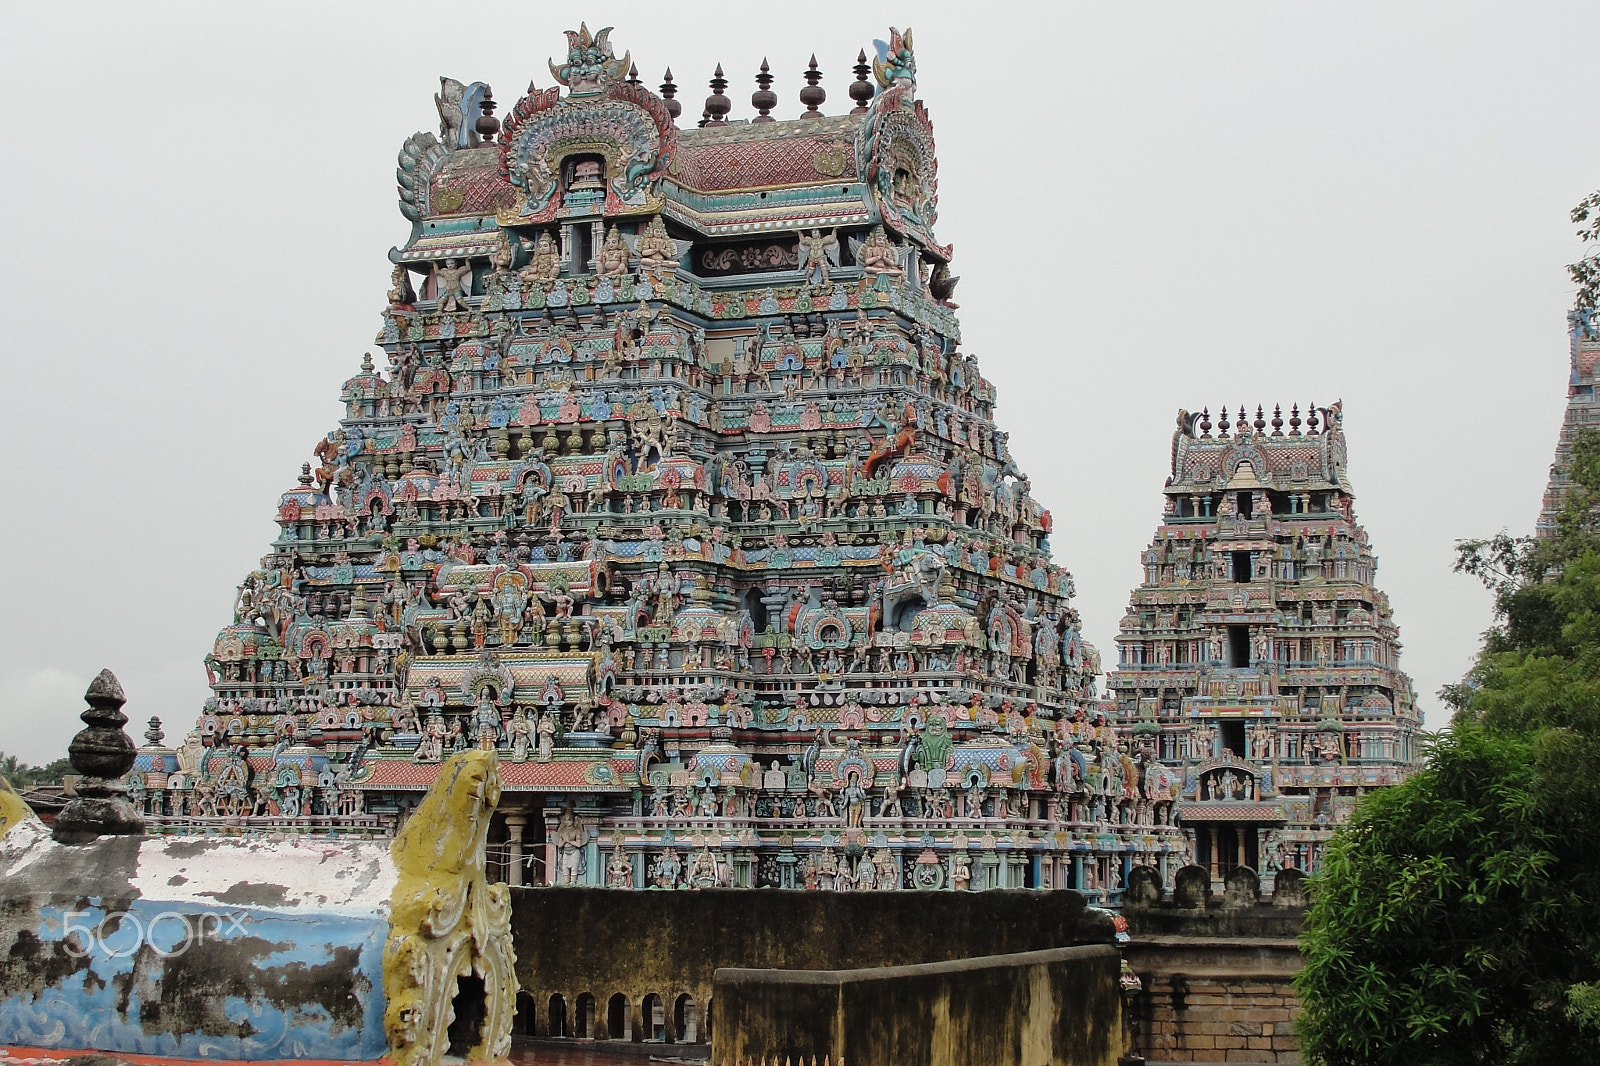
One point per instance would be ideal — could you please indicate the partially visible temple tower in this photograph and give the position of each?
(1583, 409)
(1258, 657)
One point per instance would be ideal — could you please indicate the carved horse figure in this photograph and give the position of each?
(898, 443)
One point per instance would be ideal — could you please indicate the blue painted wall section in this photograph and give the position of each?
(159, 978)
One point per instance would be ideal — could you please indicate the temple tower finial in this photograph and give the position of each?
(861, 90)
(717, 105)
(669, 95)
(764, 99)
(812, 95)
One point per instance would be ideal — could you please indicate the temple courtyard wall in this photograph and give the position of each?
(599, 964)
(908, 977)
(1061, 1006)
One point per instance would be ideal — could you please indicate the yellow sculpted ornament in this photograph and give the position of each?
(13, 808)
(447, 922)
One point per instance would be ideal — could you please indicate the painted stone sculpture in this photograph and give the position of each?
(447, 924)
(680, 493)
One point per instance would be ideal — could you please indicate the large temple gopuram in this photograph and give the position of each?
(1258, 661)
(673, 484)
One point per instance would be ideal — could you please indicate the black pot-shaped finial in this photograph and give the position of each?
(101, 753)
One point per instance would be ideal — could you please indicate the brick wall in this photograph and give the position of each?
(1217, 974)
(1222, 1018)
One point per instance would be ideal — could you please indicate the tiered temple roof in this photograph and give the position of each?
(1258, 660)
(1583, 412)
(680, 492)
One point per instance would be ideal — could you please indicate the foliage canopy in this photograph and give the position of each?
(22, 776)
(1457, 917)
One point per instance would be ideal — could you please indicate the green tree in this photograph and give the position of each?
(1585, 272)
(1457, 917)
(21, 776)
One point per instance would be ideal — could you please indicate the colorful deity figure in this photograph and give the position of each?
(619, 870)
(703, 870)
(544, 261)
(430, 746)
(520, 733)
(657, 251)
(546, 734)
(816, 249)
(569, 840)
(486, 725)
(452, 282)
(666, 869)
(612, 258)
(880, 260)
(960, 871)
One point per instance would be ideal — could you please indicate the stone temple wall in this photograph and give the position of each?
(1060, 1006)
(1216, 973)
(602, 964)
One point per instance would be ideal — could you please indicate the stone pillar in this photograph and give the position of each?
(549, 850)
(515, 823)
(1213, 836)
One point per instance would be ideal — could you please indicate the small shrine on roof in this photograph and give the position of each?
(1258, 664)
(679, 491)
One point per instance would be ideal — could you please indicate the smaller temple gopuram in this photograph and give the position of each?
(1583, 409)
(1257, 659)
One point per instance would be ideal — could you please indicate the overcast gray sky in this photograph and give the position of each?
(1153, 206)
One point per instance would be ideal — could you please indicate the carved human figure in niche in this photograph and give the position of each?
(544, 260)
(452, 282)
(612, 258)
(546, 737)
(854, 799)
(403, 719)
(500, 258)
(880, 259)
(960, 872)
(891, 803)
(703, 870)
(973, 800)
(657, 250)
(401, 296)
(485, 721)
(815, 247)
(520, 731)
(619, 871)
(455, 738)
(431, 747)
(569, 845)
(665, 870)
